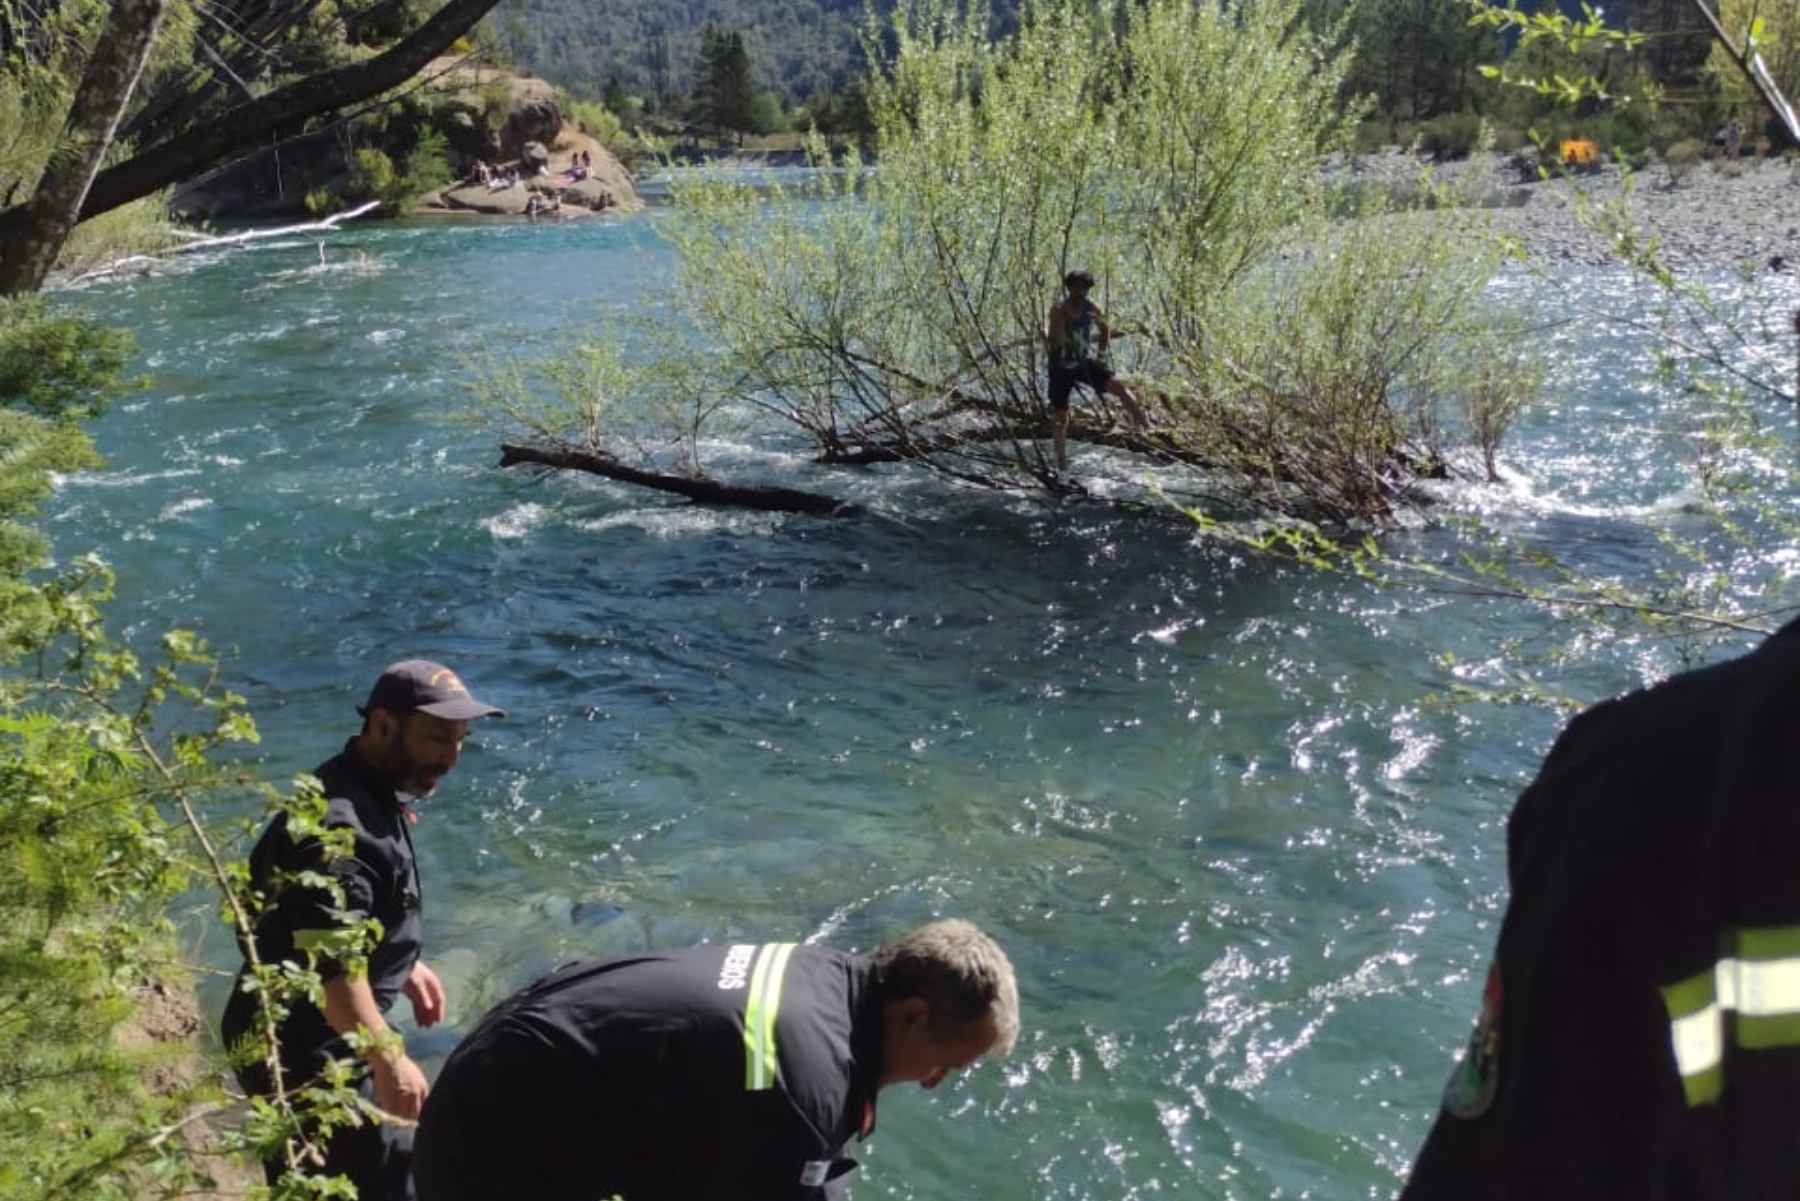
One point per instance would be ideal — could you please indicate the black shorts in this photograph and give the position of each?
(1063, 379)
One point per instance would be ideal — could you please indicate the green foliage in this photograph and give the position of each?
(601, 123)
(1325, 377)
(587, 46)
(322, 201)
(42, 62)
(105, 760)
(1772, 32)
(1716, 400)
(617, 102)
(57, 366)
(106, 763)
(724, 84)
(54, 368)
(1683, 157)
(1453, 136)
(32, 451)
(588, 392)
(766, 115)
(30, 116)
(372, 177)
(1562, 57)
(1591, 79)
(99, 755)
(1622, 131)
(1500, 382)
(404, 151)
(496, 105)
(378, 24)
(428, 166)
(37, 83)
(1416, 59)
(841, 113)
(1177, 151)
(142, 227)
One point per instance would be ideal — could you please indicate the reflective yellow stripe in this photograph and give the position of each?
(1759, 986)
(762, 1064)
(1699, 1041)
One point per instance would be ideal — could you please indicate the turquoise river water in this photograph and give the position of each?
(1248, 862)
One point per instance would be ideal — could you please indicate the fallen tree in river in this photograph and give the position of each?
(699, 489)
(1299, 349)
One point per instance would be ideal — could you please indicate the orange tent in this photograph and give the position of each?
(1580, 152)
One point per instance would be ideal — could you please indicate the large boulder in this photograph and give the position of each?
(534, 159)
(538, 121)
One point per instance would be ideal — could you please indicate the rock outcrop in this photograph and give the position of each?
(566, 171)
(534, 123)
(544, 166)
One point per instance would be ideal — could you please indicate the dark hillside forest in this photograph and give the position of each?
(800, 48)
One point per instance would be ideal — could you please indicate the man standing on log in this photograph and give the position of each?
(1077, 338)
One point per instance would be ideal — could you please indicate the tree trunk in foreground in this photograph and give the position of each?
(218, 138)
(702, 491)
(1756, 71)
(33, 234)
(249, 125)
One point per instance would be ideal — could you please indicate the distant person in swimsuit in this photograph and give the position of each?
(1077, 338)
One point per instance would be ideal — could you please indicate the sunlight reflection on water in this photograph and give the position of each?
(1245, 850)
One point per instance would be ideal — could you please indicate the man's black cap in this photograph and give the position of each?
(421, 686)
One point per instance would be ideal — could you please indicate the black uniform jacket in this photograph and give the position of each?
(709, 1073)
(379, 878)
(1641, 1035)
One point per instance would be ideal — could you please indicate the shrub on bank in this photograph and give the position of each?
(1683, 157)
(1453, 136)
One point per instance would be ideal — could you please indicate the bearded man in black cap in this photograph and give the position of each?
(414, 723)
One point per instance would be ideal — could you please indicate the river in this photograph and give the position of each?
(1244, 847)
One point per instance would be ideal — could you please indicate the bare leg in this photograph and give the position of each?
(1061, 419)
(1121, 390)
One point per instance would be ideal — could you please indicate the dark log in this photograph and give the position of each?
(701, 491)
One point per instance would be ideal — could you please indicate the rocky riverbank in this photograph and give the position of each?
(555, 168)
(1715, 214)
(548, 167)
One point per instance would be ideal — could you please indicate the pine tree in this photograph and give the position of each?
(724, 86)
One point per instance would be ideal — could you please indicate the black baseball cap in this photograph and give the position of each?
(421, 686)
